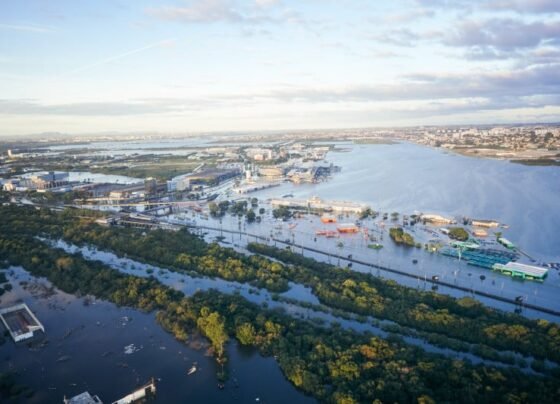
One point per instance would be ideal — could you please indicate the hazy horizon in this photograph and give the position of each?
(267, 65)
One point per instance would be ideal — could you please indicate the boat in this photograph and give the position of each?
(375, 246)
(191, 370)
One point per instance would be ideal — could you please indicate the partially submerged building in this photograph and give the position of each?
(47, 180)
(20, 322)
(523, 271)
(83, 398)
(437, 219)
(485, 223)
(316, 203)
(206, 177)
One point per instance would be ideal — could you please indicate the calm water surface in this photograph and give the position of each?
(85, 351)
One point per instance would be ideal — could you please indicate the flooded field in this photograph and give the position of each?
(108, 350)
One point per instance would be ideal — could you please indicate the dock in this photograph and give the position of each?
(20, 322)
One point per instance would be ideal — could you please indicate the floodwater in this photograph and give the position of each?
(297, 293)
(408, 178)
(86, 176)
(86, 352)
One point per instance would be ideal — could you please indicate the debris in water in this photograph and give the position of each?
(130, 349)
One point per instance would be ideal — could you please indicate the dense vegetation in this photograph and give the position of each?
(458, 233)
(463, 319)
(399, 236)
(282, 212)
(332, 364)
(538, 162)
(238, 208)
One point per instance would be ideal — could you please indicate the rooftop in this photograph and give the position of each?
(20, 322)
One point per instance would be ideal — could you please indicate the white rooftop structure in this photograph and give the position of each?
(83, 398)
(531, 270)
(20, 322)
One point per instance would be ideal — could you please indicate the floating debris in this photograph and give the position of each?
(125, 320)
(130, 349)
(64, 358)
(192, 369)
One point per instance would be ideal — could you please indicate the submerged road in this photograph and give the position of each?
(385, 268)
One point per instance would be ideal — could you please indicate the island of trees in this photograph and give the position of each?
(458, 233)
(399, 236)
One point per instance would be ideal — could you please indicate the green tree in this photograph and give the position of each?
(245, 333)
(212, 326)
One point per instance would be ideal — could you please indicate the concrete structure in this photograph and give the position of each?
(517, 270)
(328, 219)
(432, 218)
(256, 186)
(480, 233)
(207, 177)
(127, 191)
(83, 398)
(485, 223)
(347, 228)
(150, 186)
(259, 154)
(318, 204)
(272, 171)
(506, 243)
(20, 322)
(147, 390)
(10, 185)
(464, 245)
(48, 180)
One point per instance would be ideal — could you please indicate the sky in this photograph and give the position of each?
(230, 65)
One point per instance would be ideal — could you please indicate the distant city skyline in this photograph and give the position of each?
(226, 65)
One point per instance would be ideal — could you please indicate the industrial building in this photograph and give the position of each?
(20, 322)
(506, 243)
(206, 177)
(272, 171)
(83, 398)
(316, 203)
(47, 180)
(255, 186)
(485, 223)
(432, 218)
(347, 228)
(480, 233)
(523, 271)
